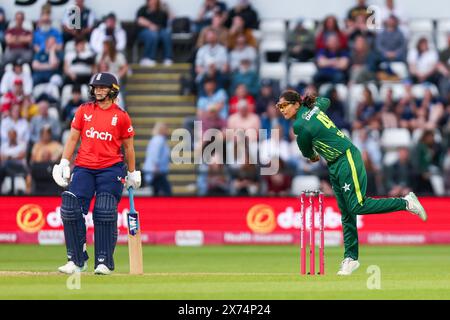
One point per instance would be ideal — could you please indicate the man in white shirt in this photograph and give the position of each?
(109, 28)
(211, 51)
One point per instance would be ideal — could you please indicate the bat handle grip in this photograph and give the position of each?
(131, 196)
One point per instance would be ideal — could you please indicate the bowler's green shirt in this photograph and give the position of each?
(317, 133)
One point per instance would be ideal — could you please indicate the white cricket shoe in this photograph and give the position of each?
(70, 268)
(146, 62)
(414, 206)
(102, 269)
(348, 265)
(168, 62)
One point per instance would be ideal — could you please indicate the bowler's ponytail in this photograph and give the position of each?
(309, 100)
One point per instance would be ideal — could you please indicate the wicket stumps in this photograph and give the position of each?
(312, 232)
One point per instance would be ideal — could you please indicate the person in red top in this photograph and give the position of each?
(241, 93)
(18, 41)
(99, 169)
(330, 26)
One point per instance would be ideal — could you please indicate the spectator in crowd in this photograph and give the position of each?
(44, 119)
(72, 106)
(110, 29)
(391, 9)
(278, 184)
(17, 123)
(444, 68)
(388, 114)
(360, 9)
(247, 76)
(86, 19)
(3, 25)
(44, 154)
(332, 62)
(19, 72)
(246, 120)
(237, 28)
(427, 159)
(301, 43)
(116, 61)
(406, 110)
(152, 21)
(46, 64)
(16, 96)
(217, 180)
(330, 27)
(399, 175)
(211, 119)
(363, 62)
(44, 31)
(272, 120)
(390, 43)
(18, 41)
(337, 113)
(213, 98)
(212, 71)
(372, 156)
(157, 160)
(367, 112)
(430, 111)
(217, 24)
(423, 63)
(46, 149)
(241, 94)
(359, 28)
(276, 148)
(242, 51)
(211, 53)
(12, 156)
(265, 96)
(245, 176)
(208, 11)
(79, 64)
(244, 9)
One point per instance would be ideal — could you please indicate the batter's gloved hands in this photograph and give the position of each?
(133, 180)
(61, 173)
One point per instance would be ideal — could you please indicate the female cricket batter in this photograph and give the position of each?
(99, 169)
(318, 135)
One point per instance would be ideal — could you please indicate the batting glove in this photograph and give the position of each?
(133, 180)
(61, 173)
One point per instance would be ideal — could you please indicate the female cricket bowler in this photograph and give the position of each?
(318, 136)
(99, 169)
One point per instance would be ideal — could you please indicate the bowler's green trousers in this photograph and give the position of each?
(349, 181)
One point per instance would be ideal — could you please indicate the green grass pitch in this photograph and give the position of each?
(229, 272)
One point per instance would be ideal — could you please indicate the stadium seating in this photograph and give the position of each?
(301, 72)
(275, 71)
(273, 29)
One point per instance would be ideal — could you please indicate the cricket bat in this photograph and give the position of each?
(134, 238)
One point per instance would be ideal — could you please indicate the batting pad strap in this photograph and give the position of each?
(105, 224)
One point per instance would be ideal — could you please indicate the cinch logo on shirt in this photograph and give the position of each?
(104, 136)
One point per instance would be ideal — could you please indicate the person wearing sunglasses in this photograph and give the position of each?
(318, 136)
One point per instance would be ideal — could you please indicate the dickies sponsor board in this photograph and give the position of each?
(194, 221)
